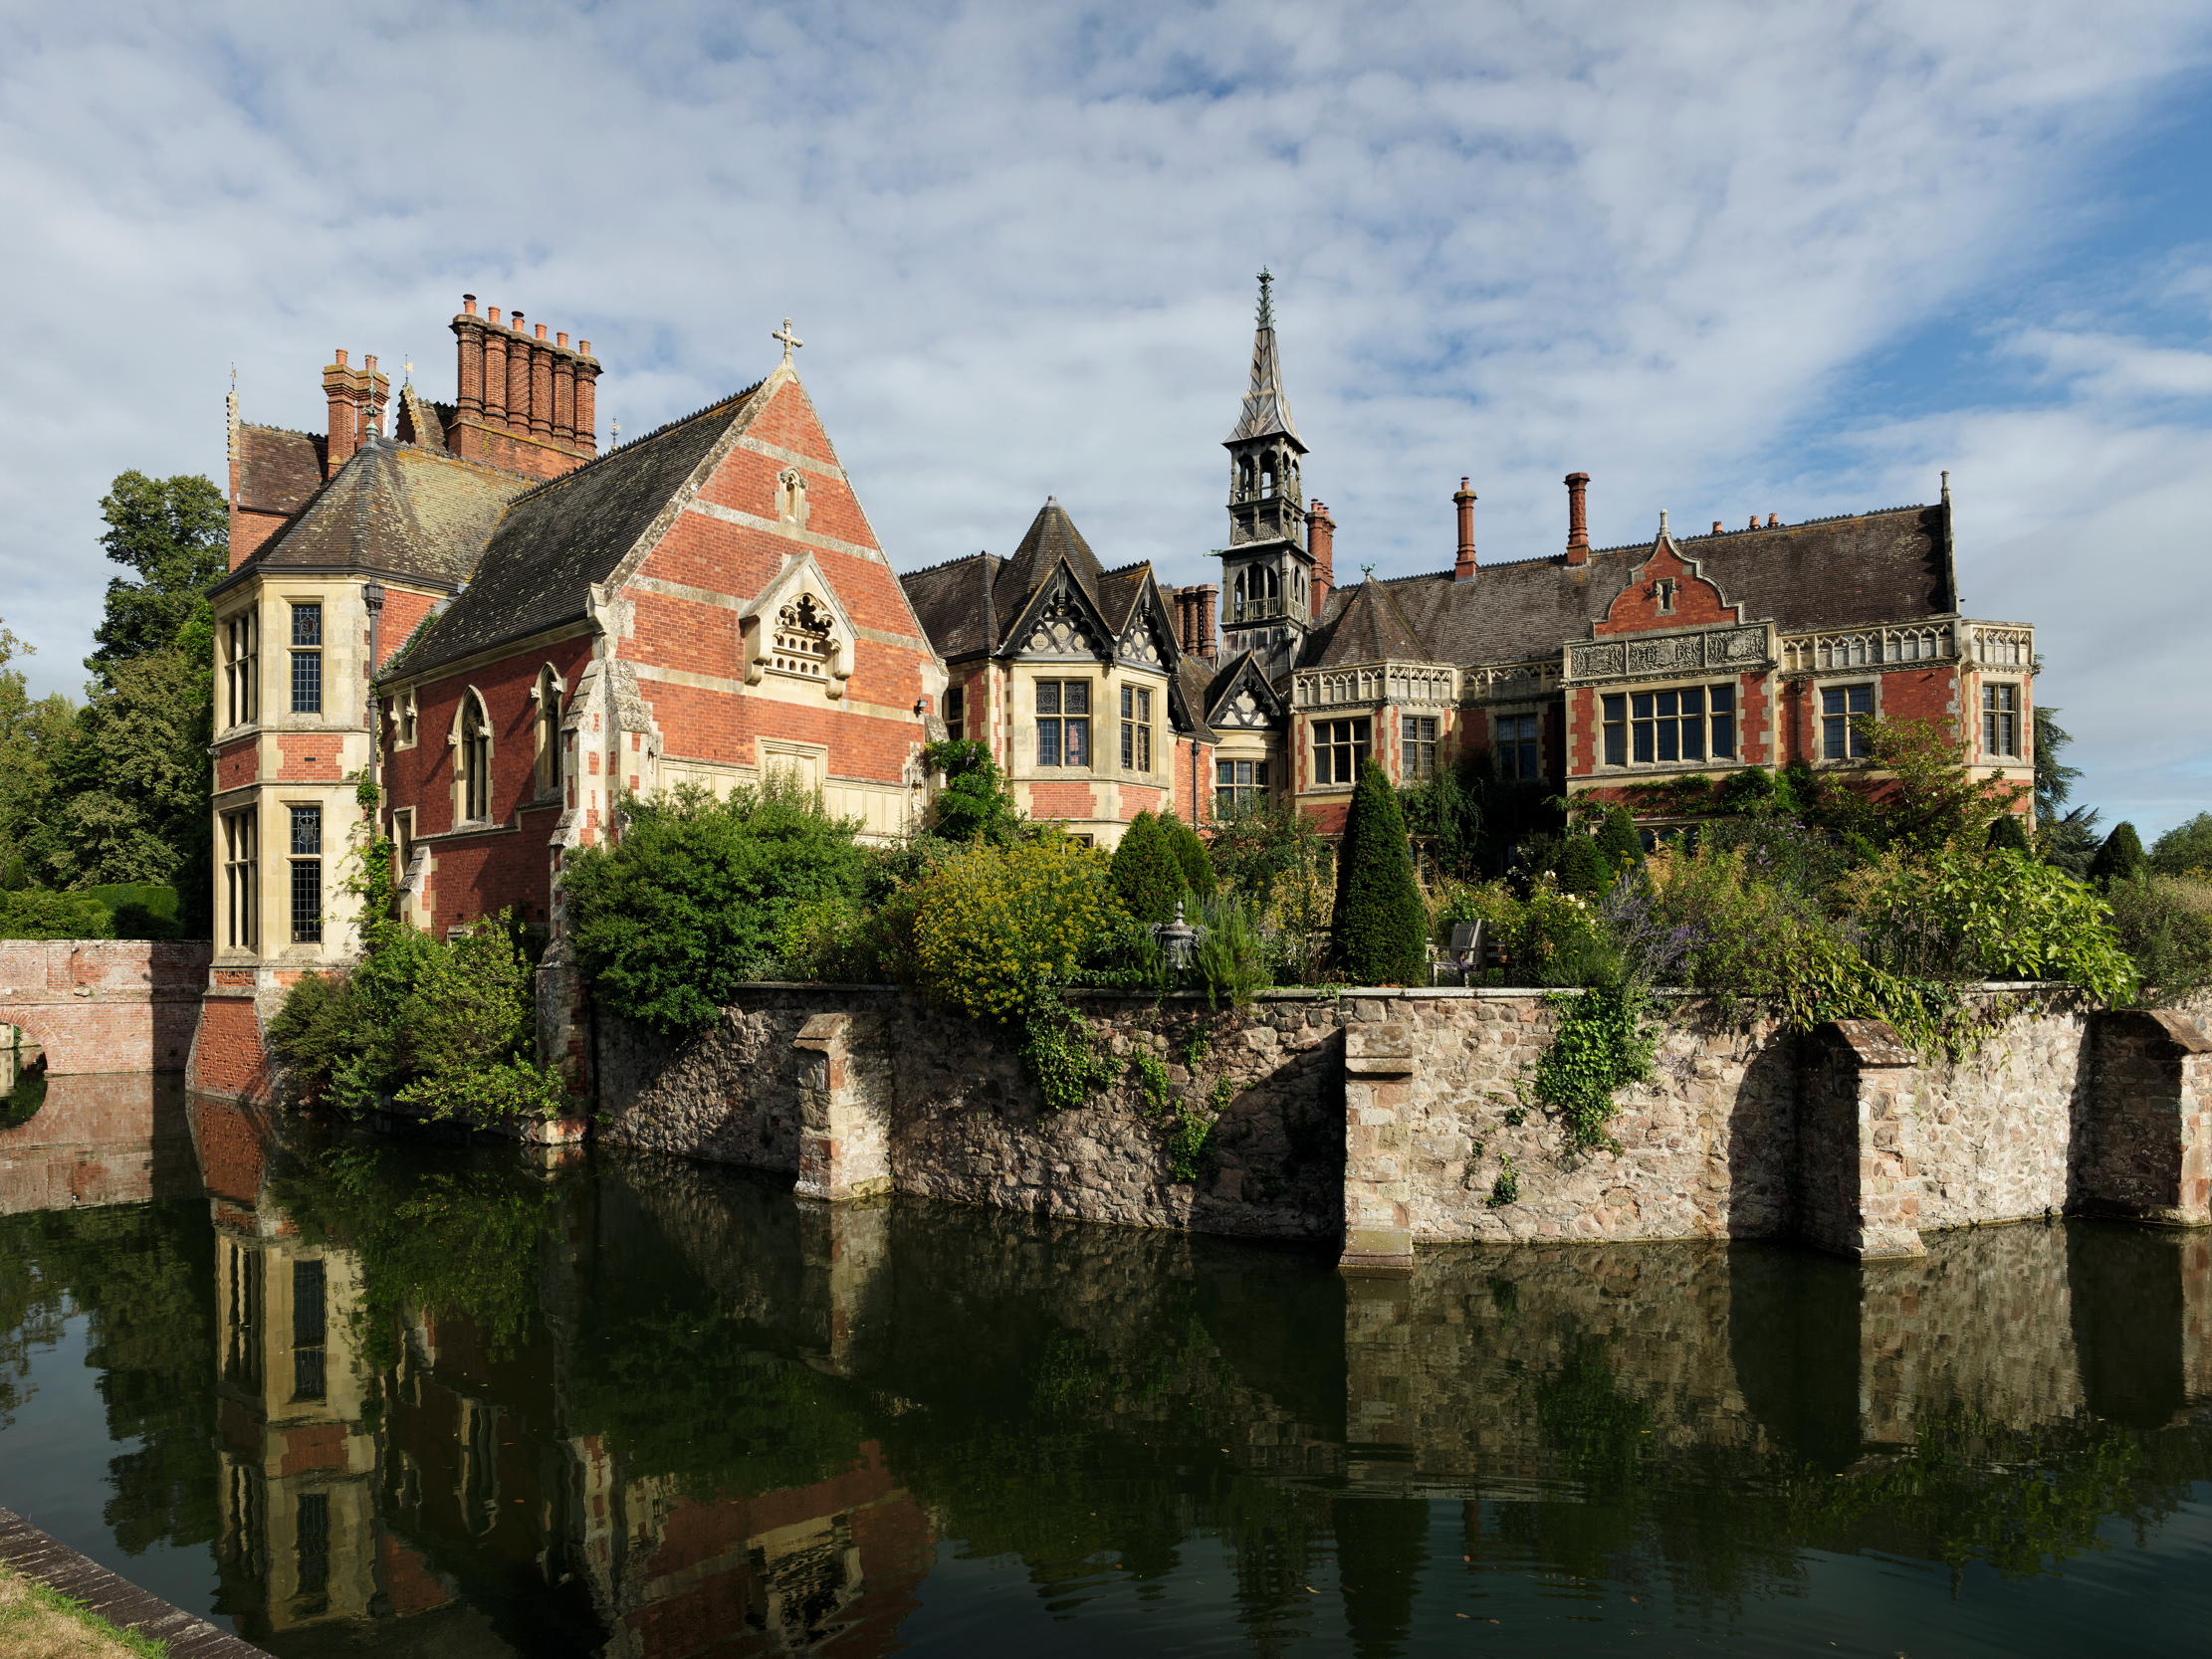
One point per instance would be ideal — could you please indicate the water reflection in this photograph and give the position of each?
(474, 1403)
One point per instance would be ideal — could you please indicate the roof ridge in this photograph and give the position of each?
(290, 431)
(947, 563)
(660, 430)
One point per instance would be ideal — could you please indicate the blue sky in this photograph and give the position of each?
(1726, 258)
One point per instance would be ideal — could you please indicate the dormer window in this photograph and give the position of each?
(802, 643)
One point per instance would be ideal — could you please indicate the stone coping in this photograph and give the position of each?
(45, 1559)
(1410, 993)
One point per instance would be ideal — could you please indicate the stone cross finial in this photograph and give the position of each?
(788, 338)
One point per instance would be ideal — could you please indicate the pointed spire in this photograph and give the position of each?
(1266, 411)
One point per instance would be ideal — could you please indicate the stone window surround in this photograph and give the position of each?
(1836, 680)
(1663, 768)
(1516, 710)
(1314, 745)
(2023, 720)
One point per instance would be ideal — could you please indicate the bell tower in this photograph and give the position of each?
(1267, 590)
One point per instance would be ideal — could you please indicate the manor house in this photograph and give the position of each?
(504, 628)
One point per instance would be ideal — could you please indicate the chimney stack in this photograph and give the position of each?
(1578, 521)
(344, 390)
(1207, 647)
(1321, 542)
(1463, 568)
(526, 401)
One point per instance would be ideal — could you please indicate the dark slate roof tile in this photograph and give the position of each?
(277, 470)
(954, 602)
(399, 509)
(561, 537)
(1051, 537)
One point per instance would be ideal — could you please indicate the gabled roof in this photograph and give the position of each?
(1243, 669)
(1370, 627)
(422, 422)
(1846, 571)
(561, 537)
(396, 508)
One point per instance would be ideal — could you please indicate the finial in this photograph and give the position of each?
(788, 338)
(1947, 470)
(614, 432)
(234, 387)
(1266, 298)
(1367, 570)
(407, 371)
(1662, 521)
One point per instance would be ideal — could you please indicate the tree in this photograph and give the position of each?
(175, 533)
(35, 737)
(1380, 926)
(2121, 859)
(1259, 846)
(2054, 778)
(974, 804)
(2186, 849)
(2069, 843)
(1191, 854)
(1146, 874)
(2008, 834)
(135, 783)
(1582, 867)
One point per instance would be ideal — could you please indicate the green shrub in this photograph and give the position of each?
(142, 909)
(1998, 916)
(974, 803)
(687, 905)
(2006, 833)
(1381, 926)
(1558, 939)
(998, 930)
(2185, 849)
(1582, 869)
(1148, 874)
(1191, 855)
(2120, 858)
(41, 912)
(1233, 957)
(1619, 842)
(1259, 847)
(2164, 923)
(445, 1026)
(1600, 1047)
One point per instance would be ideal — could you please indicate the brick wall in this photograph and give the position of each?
(105, 1005)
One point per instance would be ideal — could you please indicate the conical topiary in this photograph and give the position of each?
(1191, 854)
(1381, 929)
(1618, 841)
(1582, 869)
(2121, 859)
(1146, 874)
(2008, 834)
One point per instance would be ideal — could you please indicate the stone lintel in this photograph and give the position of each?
(1875, 1043)
(822, 1030)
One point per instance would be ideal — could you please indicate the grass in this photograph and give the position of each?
(38, 1624)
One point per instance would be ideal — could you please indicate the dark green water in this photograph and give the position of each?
(356, 1398)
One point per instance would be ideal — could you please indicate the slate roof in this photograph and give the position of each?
(1050, 539)
(559, 538)
(1193, 682)
(277, 470)
(394, 508)
(1370, 627)
(954, 603)
(1848, 571)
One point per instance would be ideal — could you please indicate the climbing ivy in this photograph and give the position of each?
(1600, 1046)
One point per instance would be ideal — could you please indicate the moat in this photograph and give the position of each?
(353, 1395)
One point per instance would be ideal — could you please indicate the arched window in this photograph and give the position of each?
(473, 761)
(548, 769)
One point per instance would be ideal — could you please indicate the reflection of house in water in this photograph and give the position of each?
(296, 1492)
(430, 1472)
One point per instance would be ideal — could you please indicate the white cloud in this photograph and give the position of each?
(1649, 241)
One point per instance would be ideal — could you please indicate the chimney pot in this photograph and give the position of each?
(540, 331)
(1716, 526)
(1772, 521)
(1755, 524)
(467, 303)
(338, 356)
(492, 313)
(583, 348)
(515, 322)
(1578, 522)
(561, 339)
(369, 362)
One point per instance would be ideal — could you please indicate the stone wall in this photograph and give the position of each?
(1382, 1117)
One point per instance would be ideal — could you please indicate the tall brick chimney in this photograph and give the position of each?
(1578, 518)
(1321, 542)
(1209, 645)
(356, 398)
(1463, 566)
(524, 403)
(1187, 619)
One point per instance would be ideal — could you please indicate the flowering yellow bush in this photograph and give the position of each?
(998, 930)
